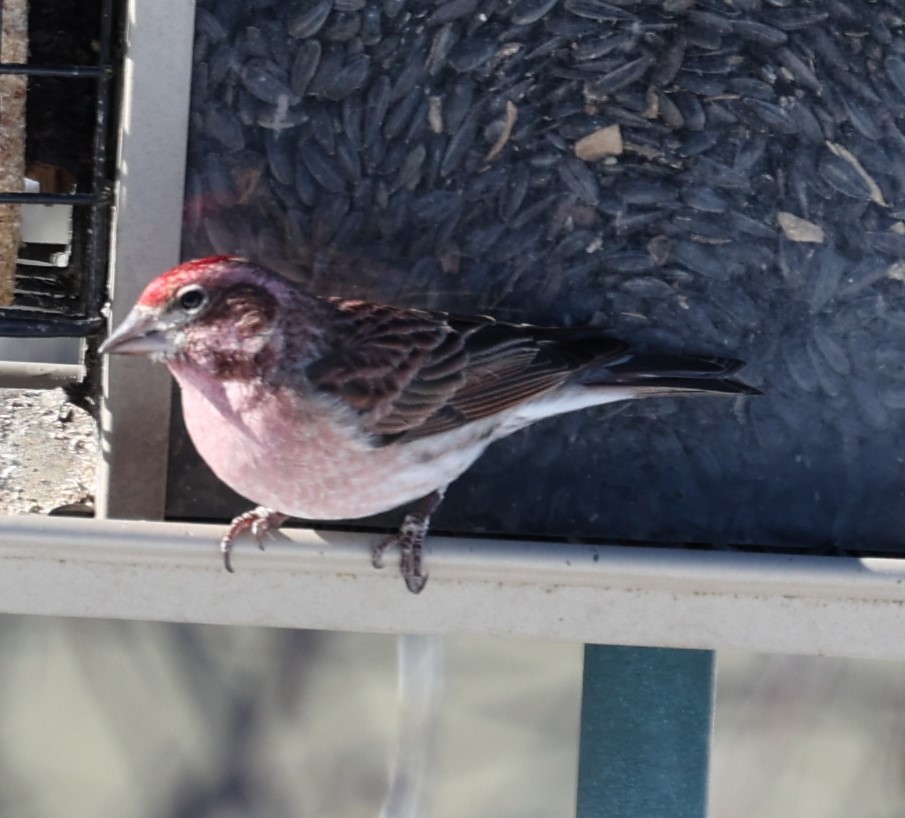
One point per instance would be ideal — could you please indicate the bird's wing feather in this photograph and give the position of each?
(411, 373)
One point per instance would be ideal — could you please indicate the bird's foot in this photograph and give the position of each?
(410, 539)
(260, 520)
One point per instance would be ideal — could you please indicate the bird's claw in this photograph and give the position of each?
(378, 548)
(258, 530)
(410, 539)
(260, 521)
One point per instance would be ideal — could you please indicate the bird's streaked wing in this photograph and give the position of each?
(412, 373)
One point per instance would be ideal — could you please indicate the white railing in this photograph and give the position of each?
(324, 580)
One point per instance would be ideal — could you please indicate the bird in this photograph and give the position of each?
(331, 408)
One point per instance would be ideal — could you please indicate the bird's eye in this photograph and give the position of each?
(191, 298)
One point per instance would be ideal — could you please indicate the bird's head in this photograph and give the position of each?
(219, 313)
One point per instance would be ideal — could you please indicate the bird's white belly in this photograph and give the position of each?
(293, 459)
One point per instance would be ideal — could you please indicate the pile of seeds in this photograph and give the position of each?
(711, 176)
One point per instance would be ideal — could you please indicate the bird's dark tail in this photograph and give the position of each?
(670, 374)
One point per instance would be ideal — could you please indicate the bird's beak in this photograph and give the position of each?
(139, 334)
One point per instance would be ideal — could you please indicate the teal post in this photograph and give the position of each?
(646, 721)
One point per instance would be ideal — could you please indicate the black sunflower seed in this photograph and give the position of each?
(322, 127)
(348, 159)
(309, 21)
(460, 142)
(710, 171)
(371, 21)
(703, 259)
(889, 243)
(525, 12)
(451, 10)
(895, 70)
(692, 111)
(304, 66)
(514, 192)
(265, 81)
(471, 54)
(798, 69)
(718, 22)
(579, 180)
(621, 77)
(843, 177)
(305, 185)
(328, 216)
(280, 157)
(596, 47)
(208, 24)
(351, 119)
(321, 167)
(699, 142)
(222, 125)
(598, 10)
(772, 117)
(628, 261)
(760, 33)
(792, 18)
(670, 61)
(704, 199)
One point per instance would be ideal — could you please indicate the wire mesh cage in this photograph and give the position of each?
(55, 185)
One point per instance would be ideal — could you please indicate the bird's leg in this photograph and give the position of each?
(410, 539)
(411, 543)
(260, 520)
(415, 525)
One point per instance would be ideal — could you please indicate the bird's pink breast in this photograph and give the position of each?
(296, 457)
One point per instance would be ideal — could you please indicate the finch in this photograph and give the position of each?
(329, 408)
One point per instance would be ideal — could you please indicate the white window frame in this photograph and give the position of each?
(122, 569)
